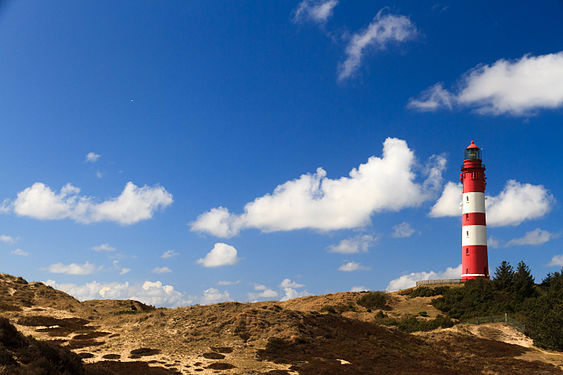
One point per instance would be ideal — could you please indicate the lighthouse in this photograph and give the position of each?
(474, 262)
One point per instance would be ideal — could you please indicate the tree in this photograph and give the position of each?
(523, 282)
(504, 276)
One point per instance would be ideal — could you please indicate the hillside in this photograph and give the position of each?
(327, 334)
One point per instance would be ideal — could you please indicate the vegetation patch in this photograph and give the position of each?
(536, 309)
(143, 352)
(90, 335)
(373, 300)
(221, 366)
(424, 291)
(339, 308)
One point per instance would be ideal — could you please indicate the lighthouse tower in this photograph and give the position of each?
(474, 231)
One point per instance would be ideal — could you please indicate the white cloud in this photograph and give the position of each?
(359, 289)
(7, 239)
(290, 287)
(103, 247)
(212, 295)
(449, 203)
(433, 98)
(288, 283)
(124, 271)
(92, 157)
(317, 11)
(221, 255)
(152, 293)
(518, 202)
(226, 282)
(402, 230)
(387, 183)
(515, 87)
(20, 252)
(557, 260)
(352, 266)
(161, 270)
(383, 29)
(514, 204)
(408, 281)
(169, 254)
(72, 269)
(353, 245)
(132, 205)
(5, 206)
(535, 237)
(263, 292)
(99, 174)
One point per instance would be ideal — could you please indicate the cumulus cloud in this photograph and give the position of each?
(535, 237)
(353, 245)
(516, 203)
(72, 269)
(221, 255)
(131, 206)
(388, 183)
(316, 11)
(152, 293)
(262, 291)
(7, 239)
(408, 281)
(103, 247)
(169, 254)
(403, 230)
(20, 252)
(124, 270)
(352, 266)
(449, 203)
(290, 287)
(92, 157)
(515, 87)
(161, 270)
(557, 260)
(383, 29)
(212, 295)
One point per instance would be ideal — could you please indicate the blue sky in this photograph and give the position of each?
(169, 151)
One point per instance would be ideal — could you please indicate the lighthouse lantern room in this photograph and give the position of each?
(474, 231)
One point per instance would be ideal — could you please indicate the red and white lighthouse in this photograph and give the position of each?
(474, 262)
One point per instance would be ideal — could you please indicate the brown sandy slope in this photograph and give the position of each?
(292, 337)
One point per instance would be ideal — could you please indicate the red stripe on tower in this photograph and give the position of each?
(474, 231)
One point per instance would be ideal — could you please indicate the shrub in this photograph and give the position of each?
(373, 300)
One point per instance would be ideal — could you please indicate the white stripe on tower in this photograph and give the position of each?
(474, 235)
(473, 202)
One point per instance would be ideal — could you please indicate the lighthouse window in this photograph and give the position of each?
(466, 233)
(466, 217)
(467, 271)
(467, 251)
(467, 198)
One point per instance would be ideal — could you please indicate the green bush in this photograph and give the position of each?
(373, 300)
(425, 291)
(539, 307)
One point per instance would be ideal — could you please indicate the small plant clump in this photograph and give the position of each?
(373, 300)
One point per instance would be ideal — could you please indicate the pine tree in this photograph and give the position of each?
(504, 276)
(523, 282)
